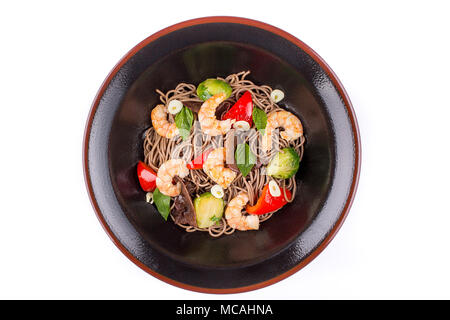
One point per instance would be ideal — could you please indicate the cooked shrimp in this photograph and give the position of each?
(208, 122)
(166, 172)
(215, 169)
(292, 126)
(233, 214)
(162, 126)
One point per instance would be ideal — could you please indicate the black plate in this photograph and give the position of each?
(191, 52)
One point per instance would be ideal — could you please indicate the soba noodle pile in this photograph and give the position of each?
(158, 149)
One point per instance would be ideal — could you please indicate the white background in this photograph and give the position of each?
(393, 59)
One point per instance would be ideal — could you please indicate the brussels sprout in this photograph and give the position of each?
(210, 87)
(208, 209)
(284, 164)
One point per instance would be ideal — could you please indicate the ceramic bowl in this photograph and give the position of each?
(192, 51)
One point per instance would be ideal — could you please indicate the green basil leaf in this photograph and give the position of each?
(245, 159)
(183, 121)
(162, 203)
(260, 119)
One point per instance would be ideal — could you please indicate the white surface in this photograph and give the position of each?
(393, 59)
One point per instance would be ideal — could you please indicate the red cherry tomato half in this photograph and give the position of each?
(198, 162)
(267, 203)
(242, 110)
(146, 176)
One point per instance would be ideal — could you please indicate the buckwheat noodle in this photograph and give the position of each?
(158, 149)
